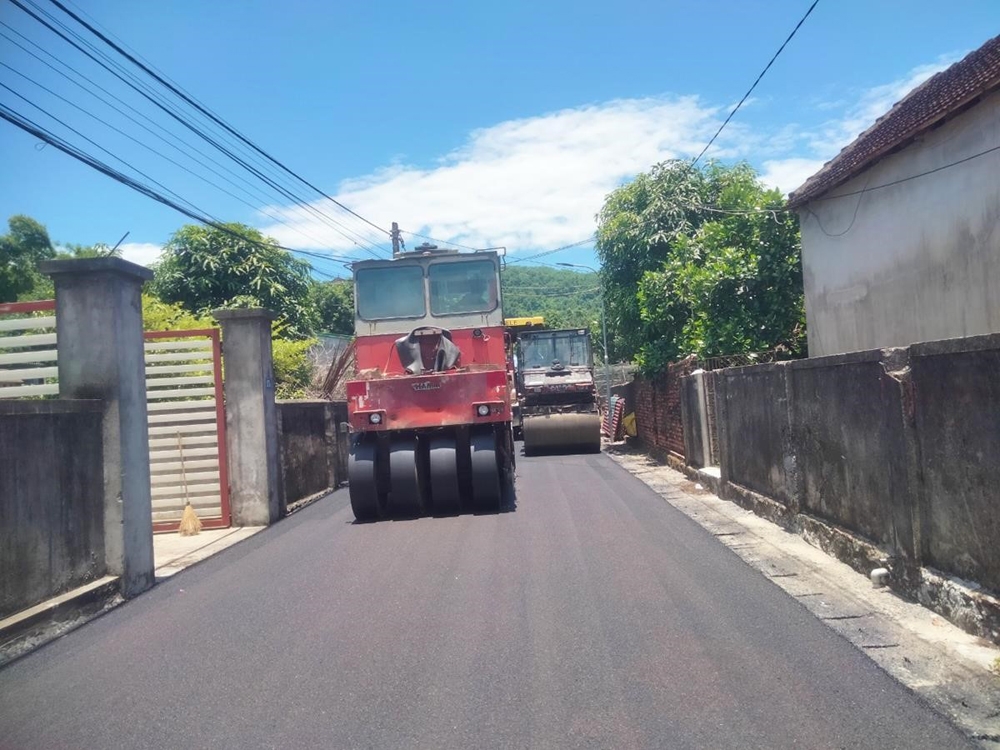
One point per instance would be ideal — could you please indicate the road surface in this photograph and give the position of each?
(593, 615)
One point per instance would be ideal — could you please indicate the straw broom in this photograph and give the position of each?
(190, 523)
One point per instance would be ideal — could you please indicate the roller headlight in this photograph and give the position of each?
(483, 410)
(375, 418)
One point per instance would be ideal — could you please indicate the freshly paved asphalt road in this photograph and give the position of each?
(595, 615)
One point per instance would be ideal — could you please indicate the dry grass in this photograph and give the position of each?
(333, 386)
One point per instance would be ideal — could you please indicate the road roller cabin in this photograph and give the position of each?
(430, 406)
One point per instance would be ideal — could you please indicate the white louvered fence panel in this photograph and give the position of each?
(28, 353)
(184, 451)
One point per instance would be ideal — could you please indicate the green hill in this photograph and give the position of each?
(566, 298)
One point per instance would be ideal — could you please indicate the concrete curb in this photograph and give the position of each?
(25, 631)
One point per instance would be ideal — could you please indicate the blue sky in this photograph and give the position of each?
(479, 123)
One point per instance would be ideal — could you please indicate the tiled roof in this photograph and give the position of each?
(937, 98)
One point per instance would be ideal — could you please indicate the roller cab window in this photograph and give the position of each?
(463, 288)
(391, 292)
(569, 348)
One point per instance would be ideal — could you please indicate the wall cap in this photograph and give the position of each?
(956, 346)
(108, 264)
(246, 313)
(23, 407)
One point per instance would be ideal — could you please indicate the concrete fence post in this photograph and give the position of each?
(722, 431)
(251, 419)
(790, 438)
(101, 356)
(701, 392)
(330, 429)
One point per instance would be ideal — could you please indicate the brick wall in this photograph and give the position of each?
(658, 408)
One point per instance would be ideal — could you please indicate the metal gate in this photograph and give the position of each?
(187, 427)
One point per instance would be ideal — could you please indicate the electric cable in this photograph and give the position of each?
(305, 205)
(752, 87)
(207, 113)
(43, 134)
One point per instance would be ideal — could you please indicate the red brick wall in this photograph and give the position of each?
(658, 408)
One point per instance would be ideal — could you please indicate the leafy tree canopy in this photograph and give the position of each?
(334, 303)
(21, 250)
(204, 268)
(702, 261)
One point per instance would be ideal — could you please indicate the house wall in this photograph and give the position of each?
(918, 261)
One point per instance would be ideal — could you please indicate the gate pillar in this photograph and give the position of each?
(251, 419)
(99, 329)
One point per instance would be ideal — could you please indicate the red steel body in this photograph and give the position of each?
(432, 399)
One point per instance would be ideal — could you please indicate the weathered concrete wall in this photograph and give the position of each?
(755, 435)
(956, 403)
(900, 447)
(51, 499)
(917, 261)
(849, 438)
(313, 449)
(627, 392)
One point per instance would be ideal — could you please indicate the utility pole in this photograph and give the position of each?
(395, 239)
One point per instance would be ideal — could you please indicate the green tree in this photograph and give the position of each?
(21, 250)
(334, 303)
(205, 268)
(700, 261)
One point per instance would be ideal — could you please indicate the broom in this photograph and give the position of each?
(190, 523)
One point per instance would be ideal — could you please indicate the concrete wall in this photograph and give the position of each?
(312, 447)
(849, 445)
(898, 447)
(755, 431)
(956, 403)
(918, 261)
(51, 499)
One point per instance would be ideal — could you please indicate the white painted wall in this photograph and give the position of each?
(918, 261)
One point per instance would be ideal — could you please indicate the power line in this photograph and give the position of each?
(149, 95)
(750, 90)
(206, 112)
(37, 131)
(907, 179)
(440, 242)
(554, 250)
(92, 142)
(256, 193)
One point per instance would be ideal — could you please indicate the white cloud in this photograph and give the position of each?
(143, 253)
(788, 174)
(872, 104)
(532, 183)
(536, 183)
(823, 143)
